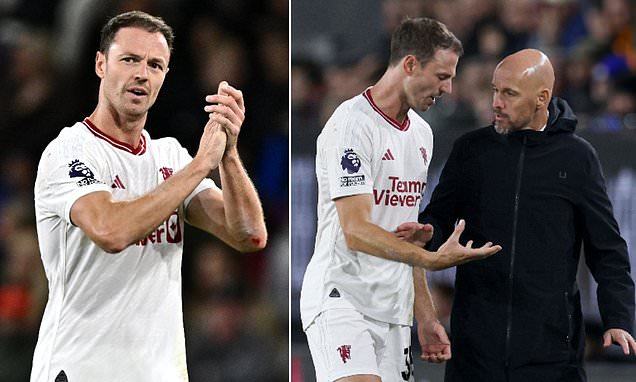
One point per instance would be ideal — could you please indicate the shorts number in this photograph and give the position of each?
(408, 360)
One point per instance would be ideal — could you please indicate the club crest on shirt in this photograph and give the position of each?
(345, 352)
(78, 169)
(350, 161)
(166, 172)
(424, 155)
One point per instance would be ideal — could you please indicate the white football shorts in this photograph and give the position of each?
(344, 342)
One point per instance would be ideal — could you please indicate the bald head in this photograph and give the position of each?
(522, 88)
(532, 67)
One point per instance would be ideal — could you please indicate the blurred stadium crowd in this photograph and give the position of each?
(591, 43)
(235, 305)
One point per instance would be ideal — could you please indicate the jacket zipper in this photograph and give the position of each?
(513, 250)
(568, 337)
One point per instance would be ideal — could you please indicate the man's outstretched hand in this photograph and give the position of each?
(452, 253)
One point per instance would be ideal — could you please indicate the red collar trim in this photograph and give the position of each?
(139, 150)
(400, 126)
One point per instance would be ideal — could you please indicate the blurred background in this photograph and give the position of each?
(235, 305)
(341, 47)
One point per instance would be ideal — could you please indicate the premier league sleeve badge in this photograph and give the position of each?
(350, 161)
(351, 164)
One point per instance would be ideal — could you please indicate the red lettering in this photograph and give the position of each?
(171, 228)
(385, 197)
(400, 193)
(378, 196)
(160, 230)
(393, 179)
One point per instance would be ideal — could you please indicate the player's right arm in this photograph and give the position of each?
(114, 225)
(362, 235)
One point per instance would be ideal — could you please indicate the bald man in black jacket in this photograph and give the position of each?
(530, 184)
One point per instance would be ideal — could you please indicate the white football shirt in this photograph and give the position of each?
(109, 317)
(361, 150)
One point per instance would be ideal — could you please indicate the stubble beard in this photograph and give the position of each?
(136, 109)
(501, 130)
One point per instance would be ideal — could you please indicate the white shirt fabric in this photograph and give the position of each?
(363, 151)
(109, 317)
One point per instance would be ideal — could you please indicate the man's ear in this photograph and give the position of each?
(408, 63)
(543, 99)
(100, 63)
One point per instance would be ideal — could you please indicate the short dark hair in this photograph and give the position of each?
(422, 37)
(135, 19)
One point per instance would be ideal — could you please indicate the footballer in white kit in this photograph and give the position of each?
(365, 284)
(114, 317)
(361, 150)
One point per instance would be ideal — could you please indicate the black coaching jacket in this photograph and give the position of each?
(541, 196)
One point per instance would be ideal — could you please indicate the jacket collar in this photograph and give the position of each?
(561, 117)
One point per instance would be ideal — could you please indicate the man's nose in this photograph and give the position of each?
(496, 102)
(142, 72)
(447, 87)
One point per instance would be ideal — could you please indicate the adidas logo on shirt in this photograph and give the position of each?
(388, 155)
(117, 183)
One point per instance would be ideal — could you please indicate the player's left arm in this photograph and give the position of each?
(233, 214)
(431, 334)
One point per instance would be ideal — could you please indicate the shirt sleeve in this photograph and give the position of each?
(66, 173)
(348, 160)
